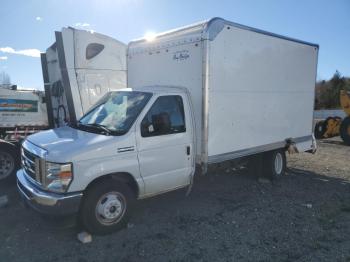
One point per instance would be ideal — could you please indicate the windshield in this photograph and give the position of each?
(115, 112)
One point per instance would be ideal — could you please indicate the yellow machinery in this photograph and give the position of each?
(345, 124)
(334, 126)
(345, 101)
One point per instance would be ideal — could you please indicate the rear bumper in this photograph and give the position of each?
(47, 202)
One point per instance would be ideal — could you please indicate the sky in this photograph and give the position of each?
(27, 26)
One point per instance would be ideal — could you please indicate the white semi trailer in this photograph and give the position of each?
(202, 94)
(78, 69)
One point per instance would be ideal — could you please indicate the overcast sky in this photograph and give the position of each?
(27, 27)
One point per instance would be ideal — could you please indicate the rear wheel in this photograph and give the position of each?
(106, 207)
(274, 164)
(345, 130)
(8, 161)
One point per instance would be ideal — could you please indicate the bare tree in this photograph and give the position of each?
(5, 79)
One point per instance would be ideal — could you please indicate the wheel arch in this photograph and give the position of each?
(123, 177)
(7, 143)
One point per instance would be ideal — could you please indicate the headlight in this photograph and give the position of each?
(58, 176)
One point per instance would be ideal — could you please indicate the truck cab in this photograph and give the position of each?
(134, 143)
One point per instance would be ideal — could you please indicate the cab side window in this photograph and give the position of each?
(166, 116)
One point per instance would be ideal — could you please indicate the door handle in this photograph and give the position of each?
(188, 150)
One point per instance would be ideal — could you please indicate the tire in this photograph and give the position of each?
(345, 130)
(106, 207)
(274, 165)
(319, 130)
(9, 161)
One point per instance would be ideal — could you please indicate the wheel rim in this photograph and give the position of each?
(7, 165)
(278, 163)
(110, 208)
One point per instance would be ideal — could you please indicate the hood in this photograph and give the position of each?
(66, 144)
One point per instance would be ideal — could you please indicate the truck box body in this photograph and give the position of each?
(251, 90)
(78, 69)
(22, 108)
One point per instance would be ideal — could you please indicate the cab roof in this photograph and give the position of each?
(157, 89)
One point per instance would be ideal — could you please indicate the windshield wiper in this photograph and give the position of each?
(99, 126)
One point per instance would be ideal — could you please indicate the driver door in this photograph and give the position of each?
(165, 145)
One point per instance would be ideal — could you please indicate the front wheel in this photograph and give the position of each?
(275, 164)
(106, 207)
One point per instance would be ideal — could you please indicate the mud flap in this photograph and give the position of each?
(313, 146)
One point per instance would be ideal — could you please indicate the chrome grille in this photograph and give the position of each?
(30, 164)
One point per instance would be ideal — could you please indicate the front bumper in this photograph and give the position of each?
(47, 202)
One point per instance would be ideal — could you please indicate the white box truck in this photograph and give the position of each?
(202, 94)
(78, 69)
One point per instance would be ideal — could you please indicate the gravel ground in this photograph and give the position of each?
(229, 216)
